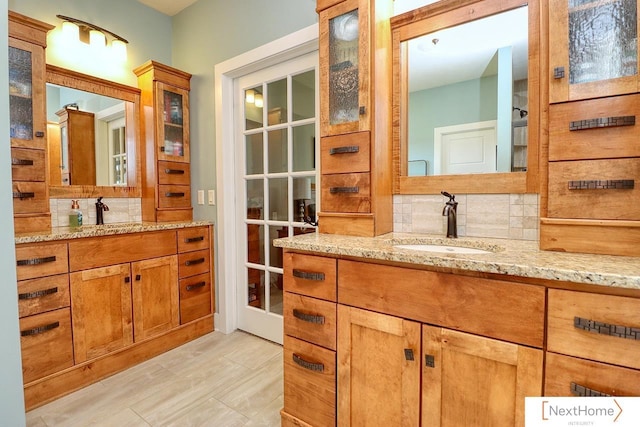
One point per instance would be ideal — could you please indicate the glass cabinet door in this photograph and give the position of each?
(599, 53)
(174, 124)
(344, 80)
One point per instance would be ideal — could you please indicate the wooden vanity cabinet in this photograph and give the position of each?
(166, 190)
(195, 267)
(27, 127)
(355, 128)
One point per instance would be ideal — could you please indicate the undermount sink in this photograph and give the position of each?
(445, 249)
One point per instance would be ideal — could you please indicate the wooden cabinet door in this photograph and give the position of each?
(155, 296)
(468, 380)
(101, 311)
(378, 369)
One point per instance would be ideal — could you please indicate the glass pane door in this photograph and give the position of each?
(20, 96)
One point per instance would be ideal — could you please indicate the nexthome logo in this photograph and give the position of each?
(582, 411)
(602, 409)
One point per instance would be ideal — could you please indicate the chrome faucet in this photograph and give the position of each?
(100, 208)
(450, 211)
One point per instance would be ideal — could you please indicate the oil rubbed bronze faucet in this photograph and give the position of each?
(450, 211)
(100, 208)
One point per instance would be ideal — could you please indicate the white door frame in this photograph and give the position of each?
(285, 48)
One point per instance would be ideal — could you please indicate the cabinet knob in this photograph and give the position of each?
(363, 110)
(558, 73)
(40, 134)
(408, 354)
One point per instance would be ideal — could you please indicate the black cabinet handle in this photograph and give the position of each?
(334, 190)
(21, 162)
(193, 239)
(174, 171)
(35, 261)
(606, 328)
(39, 134)
(317, 367)
(558, 73)
(308, 275)
(601, 184)
(362, 110)
(602, 122)
(37, 294)
(168, 194)
(344, 150)
(127, 279)
(194, 261)
(138, 277)
(195, 286)
(310, 318)
(25, 195)
(39, 329)
(582, 391)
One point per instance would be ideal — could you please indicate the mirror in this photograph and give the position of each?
(93, 135)
(464, 115)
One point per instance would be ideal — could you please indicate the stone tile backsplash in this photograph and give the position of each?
(121, 210)
(511, 216)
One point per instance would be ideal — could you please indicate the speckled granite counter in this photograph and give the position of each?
(508, 257)
(65, 233)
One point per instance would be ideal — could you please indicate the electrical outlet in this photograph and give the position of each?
(212, 197)
(201, 197)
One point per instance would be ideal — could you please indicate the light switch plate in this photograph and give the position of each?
(201, 197)
(212, 197)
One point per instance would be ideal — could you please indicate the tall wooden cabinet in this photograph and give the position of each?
(355, 117)
(27, 122)
(593, 155)
(166, 190)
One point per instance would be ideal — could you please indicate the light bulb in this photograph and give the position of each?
(70, 31)
(259, 101)
(97, 39)
(119, 49)
(250, 96)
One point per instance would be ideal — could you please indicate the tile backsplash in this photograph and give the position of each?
(121, 210)
(511, 216)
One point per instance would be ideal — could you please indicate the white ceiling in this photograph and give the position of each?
(168, 7)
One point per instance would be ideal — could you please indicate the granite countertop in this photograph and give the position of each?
(508, 257)
(65, 233)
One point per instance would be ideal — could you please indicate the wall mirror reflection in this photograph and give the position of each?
(464, 112)
(92, 133)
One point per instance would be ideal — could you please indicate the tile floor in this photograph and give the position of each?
(216, 380)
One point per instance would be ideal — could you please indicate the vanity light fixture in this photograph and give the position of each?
(259, 100)
(76, 29)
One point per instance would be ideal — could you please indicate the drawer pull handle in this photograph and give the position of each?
(195, 286)
(174, 171)
(344, 150)
(602, 122)
(558, 72)
(169, 194)
(194, 239)
(39, 329)
(582, 391)
(194, 261)
(22, 196)
(602, 184)
(40, 134)
(606, 328)
(35, 261)
(310, 318)
(334, 190)
(37, 294)
(21, 162)
(317, 367)
(308, 275)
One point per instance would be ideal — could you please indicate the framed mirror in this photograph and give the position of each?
(466, 97)
(93, 136)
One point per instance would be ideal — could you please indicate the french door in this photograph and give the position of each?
(276, 127)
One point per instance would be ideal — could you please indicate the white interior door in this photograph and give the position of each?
(466, 148)
(276, 129)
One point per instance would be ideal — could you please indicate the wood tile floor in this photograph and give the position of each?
(216, 380)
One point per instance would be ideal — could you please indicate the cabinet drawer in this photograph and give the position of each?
(617, 183)
(174, 196)
(493, 308)
(195, 297)
(27, 165)
(192, 263)
(41, 260)
(43, 294)
(309, 382)
(345, 153)
(30, 197)
(569, 376)
(110, 250)
(346, 193)
(595, 129)
(193, 239)
(174, 173)
(46, 343)
(598, 327)
(310, 275)
(310, 319)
